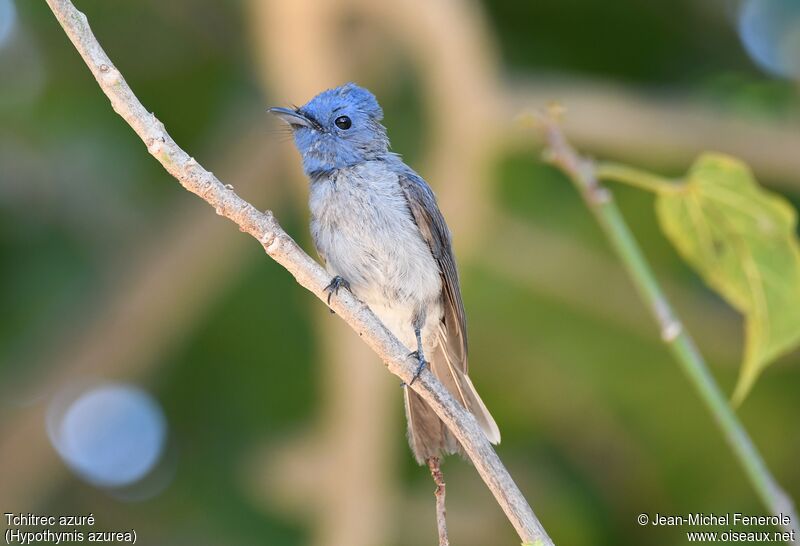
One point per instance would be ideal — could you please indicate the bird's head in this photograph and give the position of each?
(338, 128)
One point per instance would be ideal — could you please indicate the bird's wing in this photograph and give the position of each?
(431, 224)
(451, 365)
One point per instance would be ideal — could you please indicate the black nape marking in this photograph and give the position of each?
(320, 175)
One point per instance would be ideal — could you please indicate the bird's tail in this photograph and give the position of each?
(427, 435)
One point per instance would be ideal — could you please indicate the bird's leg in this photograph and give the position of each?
(418, 354)
(333, 287)
(438, 479)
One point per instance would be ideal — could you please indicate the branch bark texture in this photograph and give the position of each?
(308, 273)
(441, 511)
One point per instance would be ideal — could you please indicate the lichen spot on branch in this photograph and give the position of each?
(109, 75)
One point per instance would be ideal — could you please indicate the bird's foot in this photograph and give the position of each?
(333, 287)
(421, 364)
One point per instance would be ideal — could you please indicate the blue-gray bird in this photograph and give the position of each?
(376, 225)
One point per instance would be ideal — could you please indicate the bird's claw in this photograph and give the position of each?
(422, 363)
(333, 287)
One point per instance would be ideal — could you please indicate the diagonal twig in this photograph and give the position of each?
(441, 512)
(309, 274)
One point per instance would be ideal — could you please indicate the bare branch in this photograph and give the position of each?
(309, 274)
(441, 512)
(662, 130)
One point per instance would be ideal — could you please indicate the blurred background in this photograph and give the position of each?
(159, 371)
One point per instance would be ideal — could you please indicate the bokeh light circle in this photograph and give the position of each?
(8, 20)
(111, 435)
(770, 31)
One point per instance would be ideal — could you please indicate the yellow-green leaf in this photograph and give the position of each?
(742, 240)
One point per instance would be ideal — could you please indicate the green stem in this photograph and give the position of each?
(635, 177)
(689, 358)
(600, 201)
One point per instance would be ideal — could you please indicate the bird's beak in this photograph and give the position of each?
(292, 117)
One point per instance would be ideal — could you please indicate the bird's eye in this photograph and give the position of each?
(343, 122)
